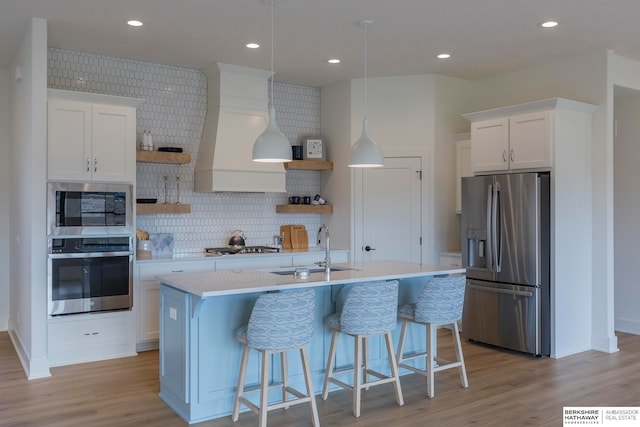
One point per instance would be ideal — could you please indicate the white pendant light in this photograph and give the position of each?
(365, 153)
(272, 146)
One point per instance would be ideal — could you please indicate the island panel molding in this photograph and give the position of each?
(200, 311)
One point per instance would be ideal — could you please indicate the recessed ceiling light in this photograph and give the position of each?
(444, 56)
(548, 24)
(253, 45)
(135, 23)
(334, 61)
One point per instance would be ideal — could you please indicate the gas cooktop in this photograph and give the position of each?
(229, 250)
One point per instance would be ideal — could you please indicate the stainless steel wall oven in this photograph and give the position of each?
(89, 274)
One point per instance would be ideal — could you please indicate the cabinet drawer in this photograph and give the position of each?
(451, 260)
(150, 271)
(74, 339)
(317, 256)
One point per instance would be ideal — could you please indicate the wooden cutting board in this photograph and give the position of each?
(303, 238)
(295, 236)
(285, 233)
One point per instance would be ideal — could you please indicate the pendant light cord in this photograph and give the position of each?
(365, 70)
(272, 73)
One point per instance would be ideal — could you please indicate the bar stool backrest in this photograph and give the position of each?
(281, 320)
(370, 308)
(441, 300)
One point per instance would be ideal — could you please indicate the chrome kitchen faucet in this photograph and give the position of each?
(327, 257)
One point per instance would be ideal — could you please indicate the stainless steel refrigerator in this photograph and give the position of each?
(505, 249)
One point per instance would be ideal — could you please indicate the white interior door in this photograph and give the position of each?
(391, 211)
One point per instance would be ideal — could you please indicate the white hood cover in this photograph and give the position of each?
(237, 103)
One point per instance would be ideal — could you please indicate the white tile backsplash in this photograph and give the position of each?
(174, 111)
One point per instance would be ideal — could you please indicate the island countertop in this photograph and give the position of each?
(232, 282)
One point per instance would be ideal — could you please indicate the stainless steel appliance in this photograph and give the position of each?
(505, 249)
(76, 209)
(89, 274)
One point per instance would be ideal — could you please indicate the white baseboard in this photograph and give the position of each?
(33, 368)
(627, 326)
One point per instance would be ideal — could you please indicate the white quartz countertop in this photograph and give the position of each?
(202, 256)
(232, 282)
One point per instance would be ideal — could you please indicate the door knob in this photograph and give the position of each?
(369, 248)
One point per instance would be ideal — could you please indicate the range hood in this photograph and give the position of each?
(237, 113)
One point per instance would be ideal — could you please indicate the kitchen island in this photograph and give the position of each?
(200, 311)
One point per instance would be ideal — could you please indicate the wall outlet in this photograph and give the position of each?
(173, 313)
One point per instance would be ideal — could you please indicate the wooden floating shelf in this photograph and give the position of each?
(314, 165)
(162, 208)
(162, 157)
(321, 209)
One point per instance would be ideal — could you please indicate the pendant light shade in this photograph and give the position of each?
(365, 153)
(272, 146)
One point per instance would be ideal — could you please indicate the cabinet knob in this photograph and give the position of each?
(95, 164)
(504, 156)
(513, 155)
(88, 164)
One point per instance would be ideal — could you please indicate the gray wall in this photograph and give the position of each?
(5, 182)
(626, 153)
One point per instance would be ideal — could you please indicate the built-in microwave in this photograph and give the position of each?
(77, 209)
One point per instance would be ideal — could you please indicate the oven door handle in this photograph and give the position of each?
(91, 255)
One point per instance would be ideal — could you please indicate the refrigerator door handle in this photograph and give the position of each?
(496, 225)
(489, 248)
(500, 291)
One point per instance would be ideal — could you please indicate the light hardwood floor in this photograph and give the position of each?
(505, 389)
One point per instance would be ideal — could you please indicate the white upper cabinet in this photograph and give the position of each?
(91, 137)
(511, 143)
(530, 141)
(463, 165)
(490, 145)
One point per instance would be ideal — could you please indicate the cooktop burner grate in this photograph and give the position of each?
(228, 250)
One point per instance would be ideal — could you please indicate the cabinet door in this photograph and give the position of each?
(113, 143)
(530, 139)
(147, 298)
(69, 141)
(148, 311)
(463, 168)
(490, 145)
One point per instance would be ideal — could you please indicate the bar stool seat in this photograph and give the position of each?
(279, 322)
(369, 309)
(439, 305)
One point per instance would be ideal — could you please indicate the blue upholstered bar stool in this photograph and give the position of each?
(279, 322)
(439, 305)
(369, 309)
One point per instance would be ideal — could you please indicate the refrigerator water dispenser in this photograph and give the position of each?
(476, 248)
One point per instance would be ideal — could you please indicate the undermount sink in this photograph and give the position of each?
(313, 269)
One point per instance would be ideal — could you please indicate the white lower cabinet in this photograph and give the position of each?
(89, 337)
(146, 299)
(451, 259)
(313, 257)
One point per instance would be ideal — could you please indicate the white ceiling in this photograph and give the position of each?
(485, 37)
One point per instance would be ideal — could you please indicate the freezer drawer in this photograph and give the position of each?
(505, 315)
